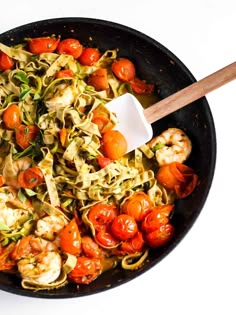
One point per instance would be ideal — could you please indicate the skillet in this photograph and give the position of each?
(157, 65)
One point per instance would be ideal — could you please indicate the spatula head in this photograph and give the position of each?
(131, 120)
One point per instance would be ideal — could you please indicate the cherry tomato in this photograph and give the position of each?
(6, 62)
(30, 178)
(6, 262)
(2, 180)
(124, 227)
(89, 56)
(114, 144)
(70, 46)
(123, 69)
(101, 215)
(156, 218)
(25, 135)
(106, 239)
(103, 161)
(11, 116)
(99, 79)
(160, 236)
(137, 205)
(41, 45)
(102, 120)
(90, 248)
(141, 87)
(166, 178)
(70, 239)
(86, 270)
(177, 177)
(133, 245)
(66, 73)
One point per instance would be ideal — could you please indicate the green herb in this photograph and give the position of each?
(26, 131)
(3, 227)
(21, 196)
(30, 192)
(25, 92)
(158, 147)
(34, 150)
(36, 96)
(33, 180)
(55, 148)
(22, 77)
(125, 87)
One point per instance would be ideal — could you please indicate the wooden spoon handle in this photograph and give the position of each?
(191, 93)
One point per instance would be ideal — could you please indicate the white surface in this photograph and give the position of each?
(199, 276)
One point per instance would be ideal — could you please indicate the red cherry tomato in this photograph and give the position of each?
(86, 270)
(123, 69)
(89, 56)
(106, 239)
(41, 45)
(137, 205)
(102, 120)
(90, 248)
(103, 161)
(11, 117)
(114, 144)
(66, 73)
(70, 46)
(99, 79)
(30, 178)
(160, 236)
(133, 245)
(25, 135)
(157, 217)
(124, 227)
(101, 215)
(141, 87)
(70, 240)
(177, 177)
(6, 62)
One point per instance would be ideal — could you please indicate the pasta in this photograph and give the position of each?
(63, 202)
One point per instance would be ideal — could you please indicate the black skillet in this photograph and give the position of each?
(158, 65)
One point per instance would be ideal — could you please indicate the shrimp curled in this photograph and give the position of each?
(172, 145)
(43, 268)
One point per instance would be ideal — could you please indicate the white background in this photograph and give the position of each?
(199, 276)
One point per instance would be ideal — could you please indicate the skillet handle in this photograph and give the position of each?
(191, 93)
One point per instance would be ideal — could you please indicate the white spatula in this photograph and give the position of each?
(134, 122)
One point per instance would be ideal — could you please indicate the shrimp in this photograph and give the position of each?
(37, 259)
(49, 227)
(12, 168)
(43, 268)
(174, 146)
(64, 96)
(12, 210)
(30, 246)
